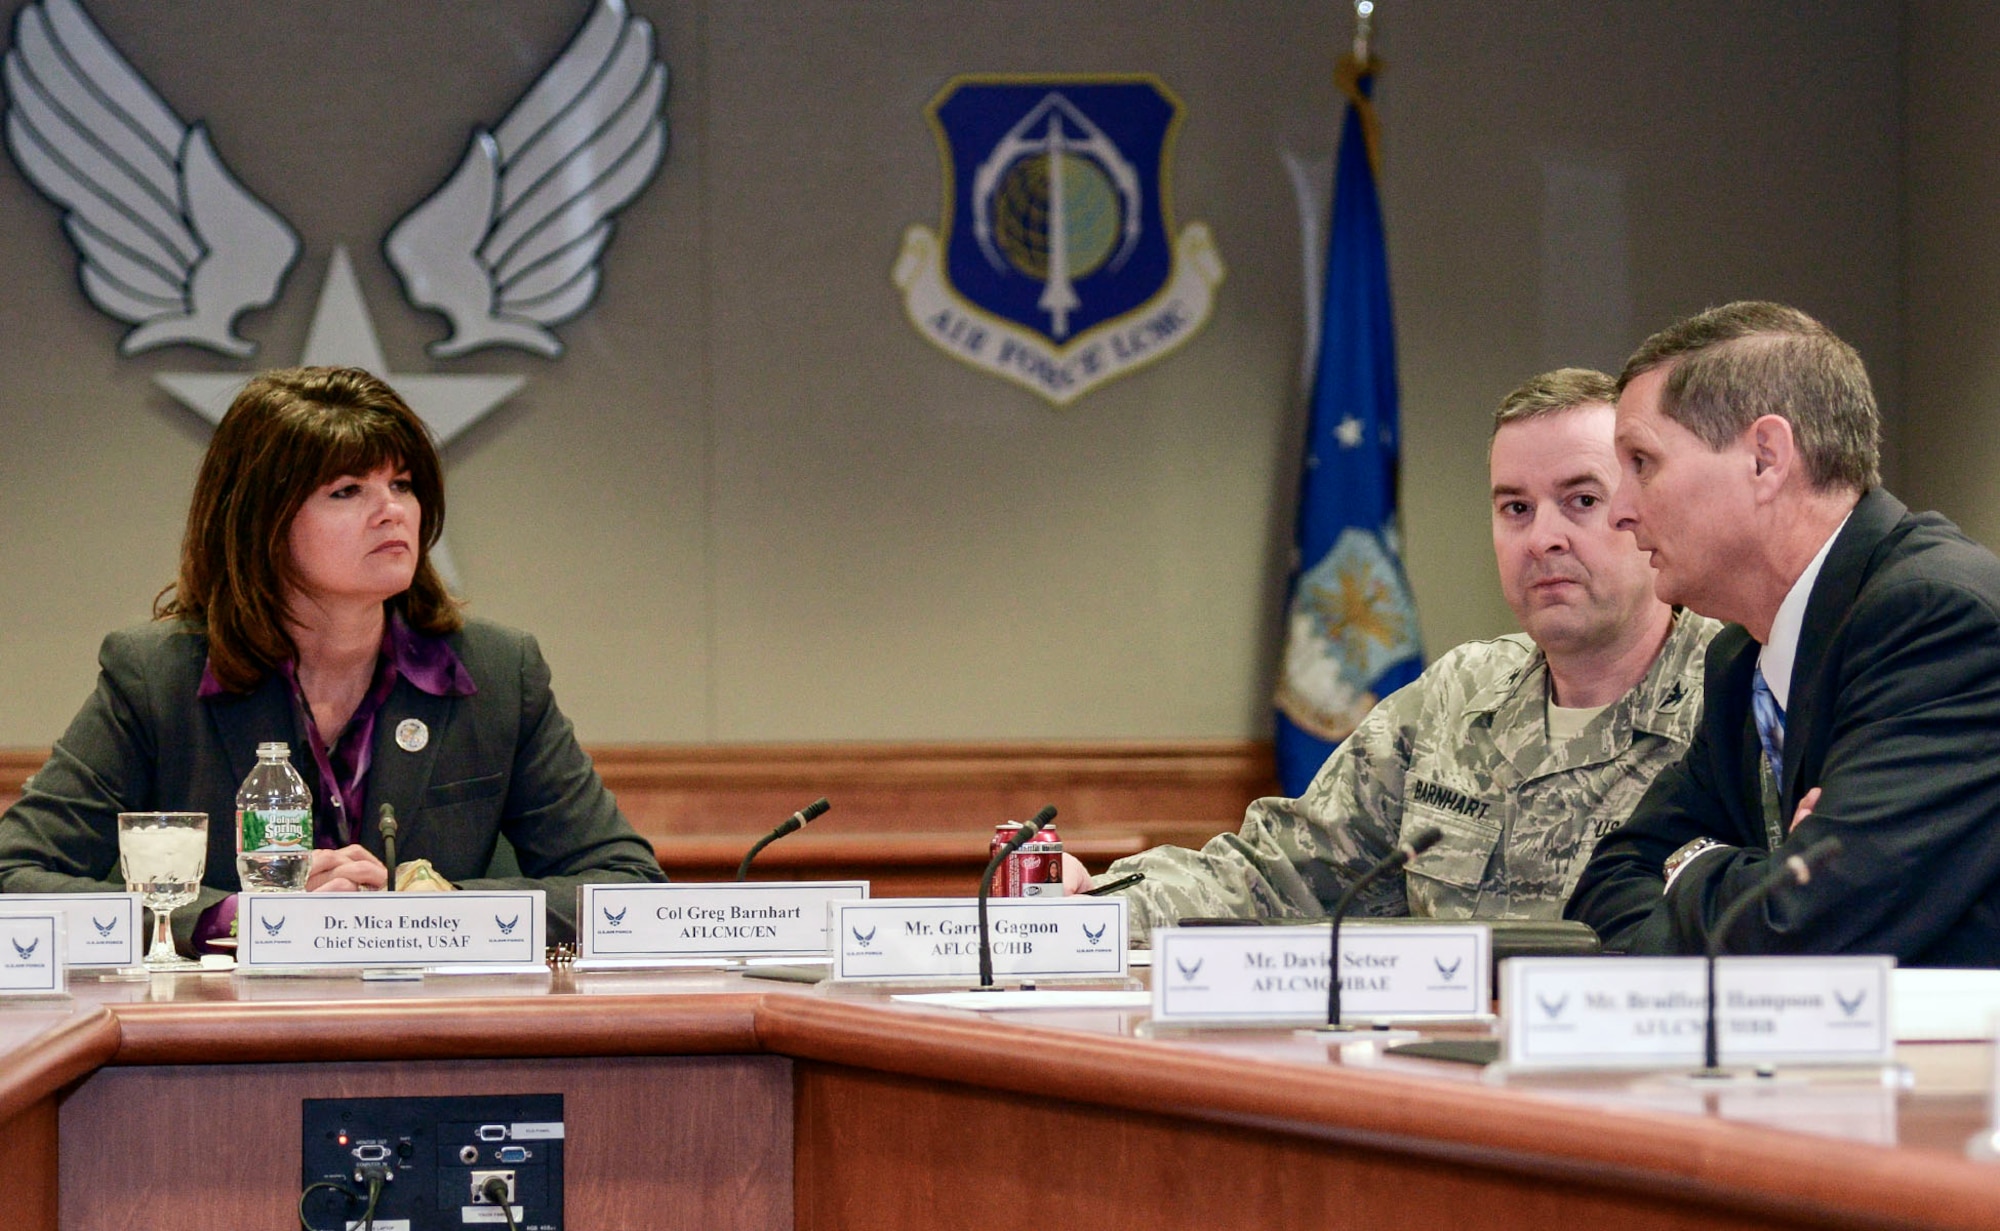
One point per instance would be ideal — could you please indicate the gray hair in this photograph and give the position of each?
(1735, 364)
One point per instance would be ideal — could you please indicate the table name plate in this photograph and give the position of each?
(1278, 975)
(636, 925)
(470, 929)
(1647, 1012)
(31, 951)
(906, 940)
(102, 929)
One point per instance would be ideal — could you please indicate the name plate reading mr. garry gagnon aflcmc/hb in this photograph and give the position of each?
(916, 940)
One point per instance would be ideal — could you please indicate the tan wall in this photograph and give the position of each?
(751, 503)
(1953, 276)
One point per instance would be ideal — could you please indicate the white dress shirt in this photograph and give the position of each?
(1778, 654)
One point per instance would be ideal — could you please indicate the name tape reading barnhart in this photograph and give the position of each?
(1279, 974)
(1634, 1012)
(291, 931)
(629, 925)
(916, 939)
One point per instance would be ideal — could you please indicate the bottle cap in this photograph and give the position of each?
(274, 750)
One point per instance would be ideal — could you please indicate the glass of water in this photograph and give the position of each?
(163, 855)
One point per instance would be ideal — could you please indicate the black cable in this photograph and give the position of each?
(304, 1223)
(374, 1196)
(495, 1190)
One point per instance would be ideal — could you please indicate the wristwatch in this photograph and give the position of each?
(1680, 859)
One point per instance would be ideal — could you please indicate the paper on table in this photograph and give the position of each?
(1936, 1006)
(1053, 998)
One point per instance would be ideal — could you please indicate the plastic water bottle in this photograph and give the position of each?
(274, 824)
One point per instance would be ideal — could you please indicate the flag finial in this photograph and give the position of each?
(1355, 69)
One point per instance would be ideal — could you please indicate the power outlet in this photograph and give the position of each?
(433, 1159)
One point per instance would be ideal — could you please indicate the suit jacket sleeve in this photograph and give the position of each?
(1907, 783)
(62, 835)
(1619, 894)
(565, 826)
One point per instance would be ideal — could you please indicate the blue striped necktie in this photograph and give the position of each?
(1770, 726)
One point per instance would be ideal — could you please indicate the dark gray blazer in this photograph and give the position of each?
(501, 762)
(1895, 702)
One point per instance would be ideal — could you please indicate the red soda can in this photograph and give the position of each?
(1035, 870)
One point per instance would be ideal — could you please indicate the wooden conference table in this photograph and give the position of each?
(707, 1100)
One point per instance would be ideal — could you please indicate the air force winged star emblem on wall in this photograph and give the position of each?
(1056, 266)
(169, 241)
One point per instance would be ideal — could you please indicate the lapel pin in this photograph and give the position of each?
(412, 735)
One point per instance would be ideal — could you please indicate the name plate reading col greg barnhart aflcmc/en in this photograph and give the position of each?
(1278, 975)
(471, 929)
(642, 925)
(916, 940)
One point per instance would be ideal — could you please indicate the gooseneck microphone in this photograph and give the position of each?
(1022, 836)
(792, 824)
(1419, 842)
(385, 820)
(1791, 870)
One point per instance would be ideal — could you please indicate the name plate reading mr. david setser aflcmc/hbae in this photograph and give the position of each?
(1278, 975)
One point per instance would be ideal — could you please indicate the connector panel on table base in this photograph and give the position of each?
(433, 1159)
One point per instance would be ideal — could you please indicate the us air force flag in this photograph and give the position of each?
(1351, 628)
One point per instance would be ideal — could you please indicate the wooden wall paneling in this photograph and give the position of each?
(913, 818)
(896, 865)
(1128, 786)
(16, 764)
(1160, 789)
(699, 1143)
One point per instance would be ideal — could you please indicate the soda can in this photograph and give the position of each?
(1035, 870)
(1001, 834)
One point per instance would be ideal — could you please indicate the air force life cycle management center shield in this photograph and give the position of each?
(1057, 266)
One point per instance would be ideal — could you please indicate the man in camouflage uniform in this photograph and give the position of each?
(1524, 750)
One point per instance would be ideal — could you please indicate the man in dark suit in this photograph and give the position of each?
(1857, 691)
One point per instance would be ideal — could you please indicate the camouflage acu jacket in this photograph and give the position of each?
(1466, 748)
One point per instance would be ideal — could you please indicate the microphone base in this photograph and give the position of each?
(1894, 1076)
(1340, 1036)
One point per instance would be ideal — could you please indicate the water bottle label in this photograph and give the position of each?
(277, 829)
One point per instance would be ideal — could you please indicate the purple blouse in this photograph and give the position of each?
(428, 663)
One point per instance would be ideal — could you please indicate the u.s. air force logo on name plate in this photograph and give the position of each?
(1057, 266)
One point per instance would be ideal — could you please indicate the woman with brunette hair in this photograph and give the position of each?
(307, 611)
